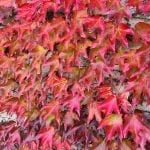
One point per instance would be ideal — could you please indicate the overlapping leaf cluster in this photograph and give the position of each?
(74, 71)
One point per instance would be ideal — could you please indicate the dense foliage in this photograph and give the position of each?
(74, 72)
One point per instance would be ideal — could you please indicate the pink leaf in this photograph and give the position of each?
(138, 130)
(112, 124)
(94, 112)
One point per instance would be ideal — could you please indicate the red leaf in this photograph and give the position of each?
(134, 3)
(50, 112)
(124, 103)
(57, 85)
(94, 111)
(112, 124)
(100, 68)
(139, 131)
(143, 31)
(46, 137)
(109, 105)
(145, 7)
(73, 103)
(105, 92)
(121, 32)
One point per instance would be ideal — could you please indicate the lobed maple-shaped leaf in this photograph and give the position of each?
(9, 134)
(109, 105)
(112, 124)
(94, 111)
(54, 64)
(121, 32)
(45, 136)
(73, 103)
(34, 10)
(95, 23)
(110, 102)
(16, 106)
(104, 92)
(100, 68)
(47, 33)
(50, 112)
(139, 85)
(87, 78)
(130, 65)
(138, 130)
(57, 85)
